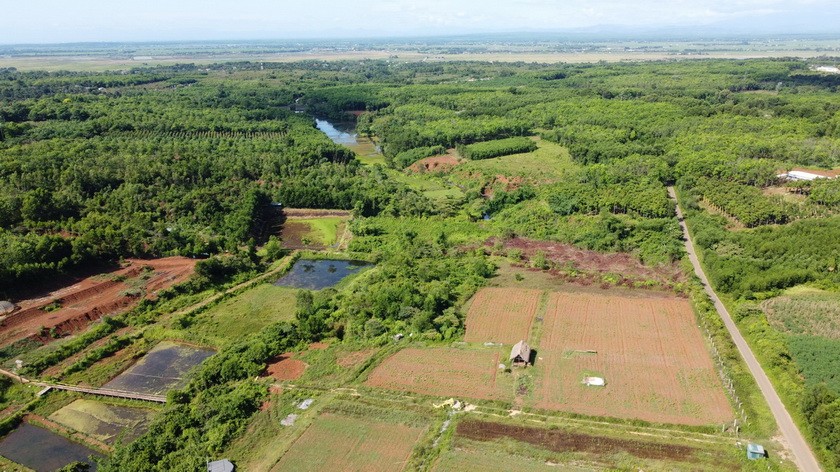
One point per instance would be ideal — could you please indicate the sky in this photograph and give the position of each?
(57, 21)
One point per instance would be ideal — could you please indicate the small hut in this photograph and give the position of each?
(755, 451)
(520, 354)
(6, 307)
(223, 465)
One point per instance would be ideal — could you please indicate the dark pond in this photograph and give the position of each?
(340, 133)
(161, 369)
(319, 274)
(43, 450)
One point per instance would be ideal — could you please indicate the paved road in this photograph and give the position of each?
(802, 454)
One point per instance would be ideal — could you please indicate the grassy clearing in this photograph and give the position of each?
(244, 315)
(434, 187)
(549, 163)
(805, 311)
(323, 230)
(474, 455)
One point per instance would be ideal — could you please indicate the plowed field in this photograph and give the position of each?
(445, 372)
(502, 315)
(340, 443)
(649, 350)
(73, 308)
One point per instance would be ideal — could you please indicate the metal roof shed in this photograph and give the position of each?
(223, 465)
(755, 451)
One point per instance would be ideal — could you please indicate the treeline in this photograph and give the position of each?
(496, 148)
(748, 204)
(406, 158)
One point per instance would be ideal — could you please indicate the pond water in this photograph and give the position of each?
(43, 450)
(340, 133)
(319, 274)
(161, 369)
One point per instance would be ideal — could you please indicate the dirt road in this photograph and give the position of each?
(802, 454)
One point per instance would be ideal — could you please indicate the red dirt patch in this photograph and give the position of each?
(318, 346)
(501, 182)
(443, 163)
(442, 372)
(501, 315)
(565, 259)
(563, 441)
(93, 298)
(285, 367)
(649, 350)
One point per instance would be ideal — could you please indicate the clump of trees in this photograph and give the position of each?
(496, 148)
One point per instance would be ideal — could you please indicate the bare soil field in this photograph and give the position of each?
(73, 308)
(445, 372)
(285, 367)
(340, 443)
(567, 258)
(649, 350)
(443, 163)
(598, 446)
(501, 315)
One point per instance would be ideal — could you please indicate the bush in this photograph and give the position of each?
(499, 147)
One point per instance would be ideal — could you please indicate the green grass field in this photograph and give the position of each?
(325, 230)
(245, 314)
(549, 163)
(432, 186)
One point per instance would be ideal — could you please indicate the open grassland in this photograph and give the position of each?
(808, 312)
(446, 372)
(549, 163)
(434, 187)
(649, 350)
(335, 442)
(501, 315)
(245, 314)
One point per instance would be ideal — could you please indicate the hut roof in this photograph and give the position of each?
(223, 465)
(520, 349)
(6, 307)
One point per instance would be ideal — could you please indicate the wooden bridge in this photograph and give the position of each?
(107, 392)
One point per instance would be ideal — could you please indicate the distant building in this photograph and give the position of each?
(520, 354)
(800, 175)
(223, 465)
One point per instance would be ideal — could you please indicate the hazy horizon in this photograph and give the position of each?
(51, 21)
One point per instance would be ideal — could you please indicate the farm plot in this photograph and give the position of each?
(73, 308)
(335, 442)
(445, 372)
(649, 350)
(162, 369)
(41, 449)
(502, 315)
(103, 421)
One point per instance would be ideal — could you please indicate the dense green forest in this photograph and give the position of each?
(194, 161)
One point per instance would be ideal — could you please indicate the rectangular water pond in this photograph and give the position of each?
(161, 369)
(319, 274)
(43, 450)
(104, 421)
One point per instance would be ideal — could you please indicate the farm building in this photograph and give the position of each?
(520, 354)
(6, 307)
(223, 465)
(800, 175)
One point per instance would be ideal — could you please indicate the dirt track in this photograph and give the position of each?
(803, 456)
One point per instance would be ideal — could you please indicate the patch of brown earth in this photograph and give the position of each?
(586, 267)
(443, 163)
(318, 346)
(285, 367)
(73, 308)
(502, 182)
(563, 441)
